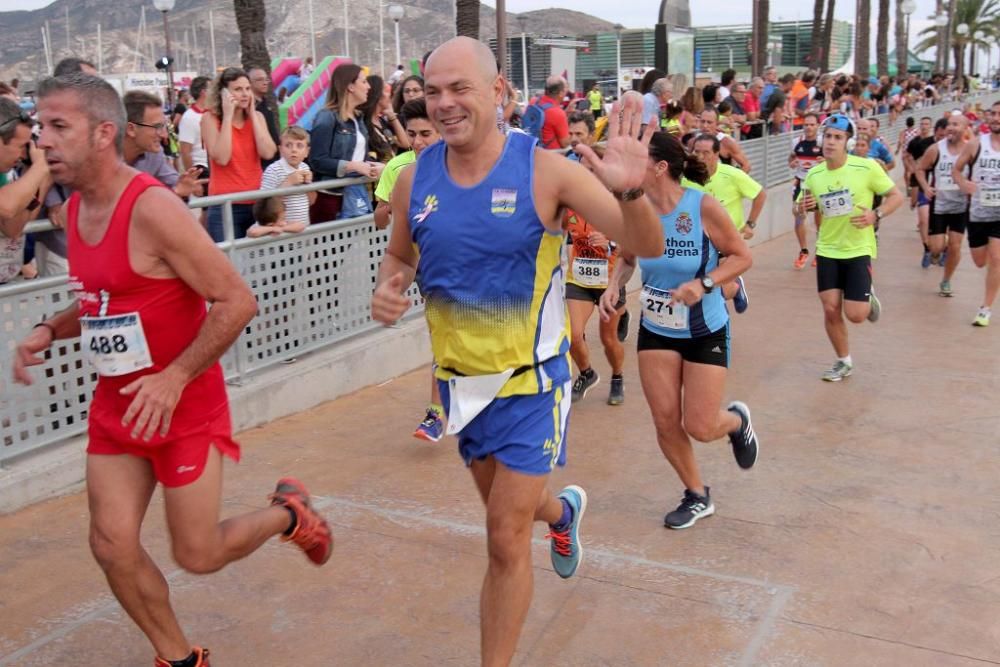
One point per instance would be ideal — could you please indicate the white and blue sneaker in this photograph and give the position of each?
(741, 301)
(567, 552)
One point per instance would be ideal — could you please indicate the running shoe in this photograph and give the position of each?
(202, 661)
(583, 384)
(839, 371)
(936, 259)
(567, 551)
(875, 310)
(431, 428)
(743, 440)
(312, 533)
(617, 394)
(800, 261)
(926, 261)
(944, 258)
(982, 318)
(741, 301)
(692, 508)
(944, 289)
(623, 323)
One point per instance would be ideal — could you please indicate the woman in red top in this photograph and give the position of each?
(236, 139)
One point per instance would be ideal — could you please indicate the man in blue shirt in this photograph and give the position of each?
(877, 150)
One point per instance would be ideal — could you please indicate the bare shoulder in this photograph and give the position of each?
(161, 216)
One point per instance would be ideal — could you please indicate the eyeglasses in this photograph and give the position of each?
(156, 126)
(21, 117)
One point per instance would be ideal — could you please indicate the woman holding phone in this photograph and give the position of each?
(236, 139)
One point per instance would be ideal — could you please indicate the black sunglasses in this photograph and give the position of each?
(21, 117)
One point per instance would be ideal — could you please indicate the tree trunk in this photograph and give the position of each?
(251, 19)
(902, 41)
(763, 31)
(467, 18)
(816, 38)
(959, 50)
(941, 50)
(882, 38)
(827, 35)
(863, 29)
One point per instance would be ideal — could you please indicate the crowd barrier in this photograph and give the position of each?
(313, 291)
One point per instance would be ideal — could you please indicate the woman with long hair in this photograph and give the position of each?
(411, 88)
(339, 142)
(236, 140)
(684, 330)
(385, 132)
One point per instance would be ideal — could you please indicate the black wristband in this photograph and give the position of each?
(52, 329)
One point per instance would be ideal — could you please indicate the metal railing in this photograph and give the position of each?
(313, 291)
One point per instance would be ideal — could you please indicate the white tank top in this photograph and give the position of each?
(947, 198)
(985, 204)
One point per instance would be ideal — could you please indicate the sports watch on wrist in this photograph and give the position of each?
(707, 283)
(629, 195)
(751, 224)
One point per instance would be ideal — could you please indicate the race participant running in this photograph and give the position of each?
(729, 150)
(984, 207)
(479, 217)
(422, 134)
(914, 151)
(806, 154)
(684, 330)
(949, 205)
(842, 188)
(142, 269)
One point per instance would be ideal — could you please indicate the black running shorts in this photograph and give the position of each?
(981, 232)
(712, 349)
(942, 223)
(593, 294)
(851, 276)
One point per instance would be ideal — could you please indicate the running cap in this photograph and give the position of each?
(840, 122)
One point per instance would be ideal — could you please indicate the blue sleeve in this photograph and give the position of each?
(321, 140)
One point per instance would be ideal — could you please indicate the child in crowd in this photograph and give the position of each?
(291, 170)
(271, 218)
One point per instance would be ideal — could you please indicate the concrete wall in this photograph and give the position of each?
(313, 379)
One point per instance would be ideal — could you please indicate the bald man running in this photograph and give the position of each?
(480, 213)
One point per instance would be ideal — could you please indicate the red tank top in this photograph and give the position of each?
(243, 172)
(171, 312)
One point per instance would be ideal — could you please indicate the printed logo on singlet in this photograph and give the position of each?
(684, 223)
(184, 469)
(504, 202)
(430, 205)
(76, 285)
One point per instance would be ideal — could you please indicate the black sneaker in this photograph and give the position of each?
(617, 393)
(623, 323)
(692, 508)
(584, 383)
(744, 440)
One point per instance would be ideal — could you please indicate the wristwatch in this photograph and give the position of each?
(629, 195)
(751, 224)
(707, 283)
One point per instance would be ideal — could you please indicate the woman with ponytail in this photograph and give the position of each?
(684, 330)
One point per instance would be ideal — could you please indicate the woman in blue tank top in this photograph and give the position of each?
(684, 330)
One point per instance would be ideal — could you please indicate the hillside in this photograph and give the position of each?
(72, 26)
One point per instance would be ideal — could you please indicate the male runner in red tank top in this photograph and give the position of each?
(143, 269)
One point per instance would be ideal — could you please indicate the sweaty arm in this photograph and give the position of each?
(965, 158)
(736, 154)
(561, 182)
(399, 264)
(726, 239)
(757, 205)
(925, 164)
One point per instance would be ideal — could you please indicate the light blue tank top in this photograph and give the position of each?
(688, 254)
(490, 272)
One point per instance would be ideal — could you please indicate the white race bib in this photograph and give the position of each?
(836, 204)
(115, 345)
(989, 196)
(590, 272)
(656, 307)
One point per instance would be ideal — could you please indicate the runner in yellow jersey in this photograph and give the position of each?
(731, 186)
(843, 189)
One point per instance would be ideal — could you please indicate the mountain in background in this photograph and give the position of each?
(72, 28)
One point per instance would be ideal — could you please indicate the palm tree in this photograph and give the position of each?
(902, 49)
(978, 15)
(816, 39)
(827, 35)
(861, 38)
(251, 19)
(467, 18)
(882, 39)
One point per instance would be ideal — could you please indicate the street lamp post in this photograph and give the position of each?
(165, 6)
(963, 30)
(396, 13)
(312, 31)
(619, 29)
(979, 36)
(907, 7)
(941, 21)
(523, 20)
(381, 37)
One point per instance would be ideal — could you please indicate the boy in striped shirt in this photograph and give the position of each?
(292, 170)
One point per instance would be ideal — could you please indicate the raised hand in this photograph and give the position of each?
(624, 164)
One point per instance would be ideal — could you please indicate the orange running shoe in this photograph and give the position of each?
(202, 654)
(801, 260)
(312, 533)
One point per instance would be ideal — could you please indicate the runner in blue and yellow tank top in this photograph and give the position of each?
(684, 331)
(478, 215)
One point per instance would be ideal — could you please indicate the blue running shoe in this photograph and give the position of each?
(431, 428)
(926, 261)
(567, 552)
(741, 301)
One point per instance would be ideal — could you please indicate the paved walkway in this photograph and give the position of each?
(866, 535)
